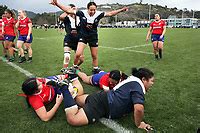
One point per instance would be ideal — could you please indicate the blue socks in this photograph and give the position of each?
(68, 100)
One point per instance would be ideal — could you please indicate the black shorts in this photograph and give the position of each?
(71, 42)
(92, 40)
(96, 106)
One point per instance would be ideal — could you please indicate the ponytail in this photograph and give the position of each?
(142, 73)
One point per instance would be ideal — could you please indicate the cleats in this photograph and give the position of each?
(71, 70)
(95, 71)
(29, 59)
(11, 59)
(22, 59)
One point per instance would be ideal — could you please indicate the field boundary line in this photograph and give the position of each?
(107, 122)
(136, 46)
(114, 126)
(27, 73)
(120, 49)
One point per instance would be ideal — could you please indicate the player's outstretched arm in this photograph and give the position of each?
(115, 12)
(46, 116)
(138, 117)
(62, 16)
(66, 9)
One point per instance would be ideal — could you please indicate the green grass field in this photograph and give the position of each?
(172, 104)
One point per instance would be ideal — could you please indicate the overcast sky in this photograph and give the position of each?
(40, 6)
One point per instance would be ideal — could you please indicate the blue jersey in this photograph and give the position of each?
(124, 95)
(88, 24)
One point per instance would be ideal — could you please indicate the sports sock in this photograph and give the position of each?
(156, 56)
(77, 71)
(68, 100)
(96, 67)
(75, 66)
(160, 53)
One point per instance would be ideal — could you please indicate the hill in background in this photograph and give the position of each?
(137, 11)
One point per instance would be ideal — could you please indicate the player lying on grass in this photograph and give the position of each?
(41, 91)
(104, 80)
(124, 98)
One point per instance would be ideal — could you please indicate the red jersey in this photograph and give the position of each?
(157, 27)
(45, 96)
(23, 26)
(1, 24)
(104, 81)
(9, 25)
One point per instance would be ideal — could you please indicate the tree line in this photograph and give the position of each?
(137, 11)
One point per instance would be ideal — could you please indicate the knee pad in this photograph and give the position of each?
(67, 55)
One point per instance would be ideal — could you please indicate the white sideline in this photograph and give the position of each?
(137, 46)
(27, 73)
(114, 126)
(107, 122)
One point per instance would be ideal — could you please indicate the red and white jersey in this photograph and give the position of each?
(9, 25)
(45, 96)
(104, 81)
(23, 26)
(157, 27)
(1, 24)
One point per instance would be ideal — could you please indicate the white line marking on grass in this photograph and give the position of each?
(114, 126)
(136, 46)
(107, 122)
(120, 49)
(40, 38)
(27, 73)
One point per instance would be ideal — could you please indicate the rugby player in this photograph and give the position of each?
(9, 32)
(158, 29)
(72, 23)
(103, 80)
(2, 37)
(89, 20)
(41, 91)
(124, 98)
(24, 25)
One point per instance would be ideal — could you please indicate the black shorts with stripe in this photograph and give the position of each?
(71, 41)
(92, 40)
(96, 106)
